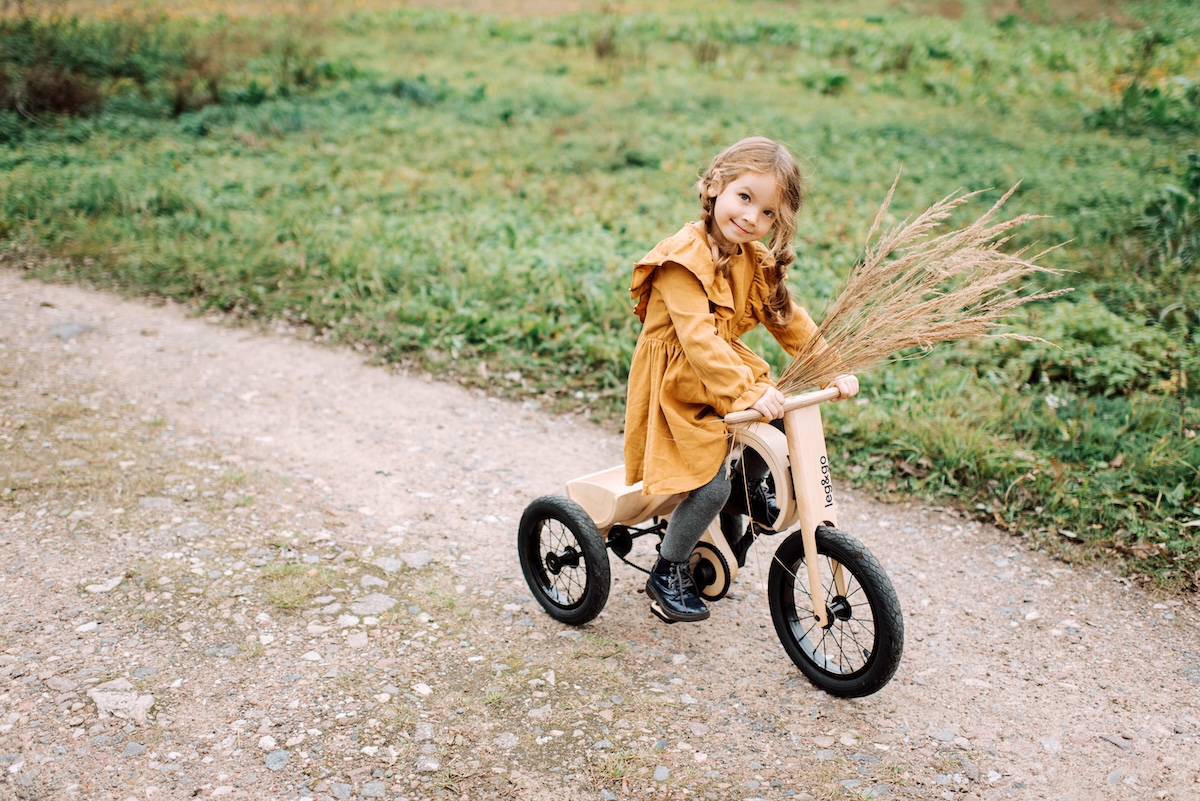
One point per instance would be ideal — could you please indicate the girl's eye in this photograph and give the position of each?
(769, 213)
(745, 198)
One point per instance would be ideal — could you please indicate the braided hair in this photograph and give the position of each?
(764, 156)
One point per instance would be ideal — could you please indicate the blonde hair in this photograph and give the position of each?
(764, 156)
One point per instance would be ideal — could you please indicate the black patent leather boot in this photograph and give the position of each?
(673, 594)
(763, 506)
(758, 502)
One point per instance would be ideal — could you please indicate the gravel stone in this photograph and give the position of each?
(374, 604)
(70, 330)
(417, 559)
(278, 760)
(389, 564)
(1118, 741)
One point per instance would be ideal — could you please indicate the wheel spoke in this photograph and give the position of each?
(839, 659)
(568, 585)
(845, 646)
(848, 630)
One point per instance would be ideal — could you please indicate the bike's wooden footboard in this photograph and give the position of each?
(608, 500)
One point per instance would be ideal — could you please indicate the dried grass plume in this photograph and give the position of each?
(914, 289)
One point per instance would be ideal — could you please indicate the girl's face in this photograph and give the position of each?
(745, 209)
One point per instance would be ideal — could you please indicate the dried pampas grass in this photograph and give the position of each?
(914, 290)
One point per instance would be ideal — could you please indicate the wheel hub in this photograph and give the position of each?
(704, 573)
(837, 609)
(555, 562)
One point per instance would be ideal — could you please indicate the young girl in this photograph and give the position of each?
(697, 293)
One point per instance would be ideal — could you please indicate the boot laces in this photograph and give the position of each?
(680, 578)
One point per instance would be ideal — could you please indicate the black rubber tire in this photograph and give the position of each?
(564, 559)
(859, 652)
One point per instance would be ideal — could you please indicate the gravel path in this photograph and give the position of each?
(237, 564)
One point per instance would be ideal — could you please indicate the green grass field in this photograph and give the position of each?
(465, 190)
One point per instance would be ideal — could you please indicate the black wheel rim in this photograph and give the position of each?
(844, 646)
(560, 567)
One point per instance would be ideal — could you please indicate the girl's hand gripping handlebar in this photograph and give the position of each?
(795, 402)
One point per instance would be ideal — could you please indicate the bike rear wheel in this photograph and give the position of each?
(564, 559)
(858, 652)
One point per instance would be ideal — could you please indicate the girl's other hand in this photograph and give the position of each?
(847, 385)
(770, 405)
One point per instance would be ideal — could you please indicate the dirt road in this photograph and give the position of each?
(237, 564)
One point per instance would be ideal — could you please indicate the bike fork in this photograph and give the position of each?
(812, 481)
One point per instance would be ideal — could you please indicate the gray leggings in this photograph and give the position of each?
(692, 516)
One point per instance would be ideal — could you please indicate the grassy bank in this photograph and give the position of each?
(465, 192)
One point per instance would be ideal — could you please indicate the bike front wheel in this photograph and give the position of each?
(564, 559)
(858, 652)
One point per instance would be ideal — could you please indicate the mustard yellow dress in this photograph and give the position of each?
(690, 367)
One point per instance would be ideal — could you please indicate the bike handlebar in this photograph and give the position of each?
(794, 402)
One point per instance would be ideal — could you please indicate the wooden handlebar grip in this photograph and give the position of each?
(794, 402)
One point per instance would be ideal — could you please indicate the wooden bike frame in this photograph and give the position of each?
(805, 490)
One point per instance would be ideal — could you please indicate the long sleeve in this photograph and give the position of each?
(797, 333)
(717, 366)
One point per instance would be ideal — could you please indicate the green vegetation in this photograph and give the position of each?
(292, 585)
(465, 193)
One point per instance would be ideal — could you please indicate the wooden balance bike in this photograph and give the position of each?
(832, 604)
